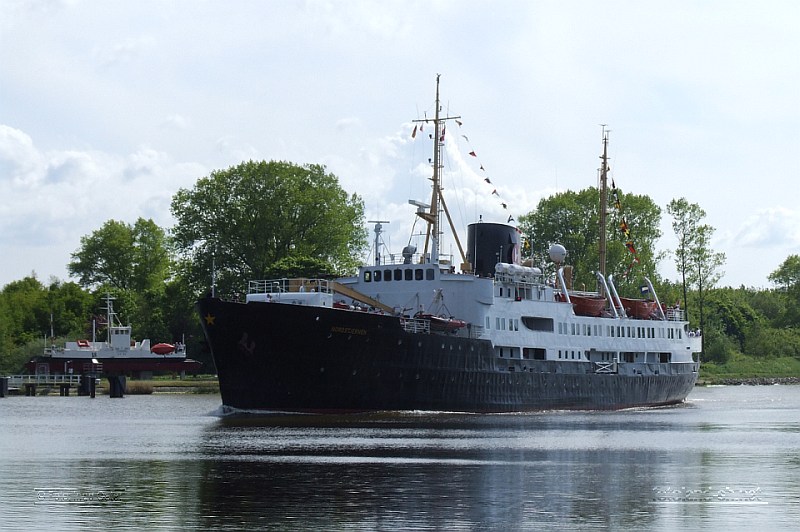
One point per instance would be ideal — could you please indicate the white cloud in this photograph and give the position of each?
(112, 107)
(20, 163)
(52, 199)
(776, 227)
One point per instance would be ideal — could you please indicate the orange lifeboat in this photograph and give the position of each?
(162, 349)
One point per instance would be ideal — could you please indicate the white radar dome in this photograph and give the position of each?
(558, 253)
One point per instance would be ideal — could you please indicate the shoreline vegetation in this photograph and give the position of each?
(739, 370)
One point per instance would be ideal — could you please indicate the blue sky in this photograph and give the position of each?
(107, 108)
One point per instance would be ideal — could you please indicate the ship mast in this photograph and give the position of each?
(603, 201)
(437, 199)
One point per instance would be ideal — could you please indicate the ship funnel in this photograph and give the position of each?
(490, 243)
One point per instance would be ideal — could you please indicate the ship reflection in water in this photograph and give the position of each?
(441, 472)
(165, 462)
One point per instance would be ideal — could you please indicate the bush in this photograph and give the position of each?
(719, 348)
(772, 342)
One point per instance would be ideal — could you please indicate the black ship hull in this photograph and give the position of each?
(296, 358)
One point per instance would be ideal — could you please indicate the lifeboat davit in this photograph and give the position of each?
(162, 349)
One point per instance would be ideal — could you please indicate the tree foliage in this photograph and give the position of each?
(572, 220)
(787, 275)
(696, 262)
(787, 278)
(247, 218)
(123, 256)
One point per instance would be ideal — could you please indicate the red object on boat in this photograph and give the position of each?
(162, 349)
(440, 323)
(638, 308)
(587, 305)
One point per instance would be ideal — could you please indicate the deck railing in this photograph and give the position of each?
(15, 381)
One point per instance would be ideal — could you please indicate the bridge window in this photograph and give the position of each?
(367, 276)
(418, 274)
(398, 274)
(387, 275)
(377, 276)
(429, 274)
(409, 275)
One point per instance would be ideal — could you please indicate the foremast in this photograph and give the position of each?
(603, 204)
(432, 216)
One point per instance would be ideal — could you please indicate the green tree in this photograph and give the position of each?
(69, 307)
(26, 309)
(123, 256)
(788, 273)
(685, 219)
(705, 264)
(571, 219)
(730, 312)
(244, 220)
(787, 278)
(697, 263)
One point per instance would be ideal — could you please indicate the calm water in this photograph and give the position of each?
(728, 459)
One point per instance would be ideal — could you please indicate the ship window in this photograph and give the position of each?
(377, 276)
(398, 274)
(429, 274)
(387, 275)
(367, 276)
(409, 275)
(488, 322)
(418, 274)
(502, 324)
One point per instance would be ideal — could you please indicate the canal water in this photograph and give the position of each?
(728, 459)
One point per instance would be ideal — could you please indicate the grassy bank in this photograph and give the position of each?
(165, 384)
(741, 368)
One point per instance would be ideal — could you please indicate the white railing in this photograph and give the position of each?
(414, 325)
(675, 314)
(273, 286)
(15, 381)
